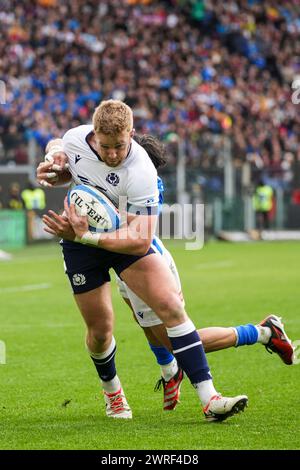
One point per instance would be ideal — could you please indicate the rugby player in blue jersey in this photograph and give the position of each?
(269, 332)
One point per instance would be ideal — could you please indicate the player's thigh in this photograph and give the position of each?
(96, 307)
(173, 268)
(151, 279)
(143, 314)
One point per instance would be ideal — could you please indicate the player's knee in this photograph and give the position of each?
(98, 337)
(170, 308)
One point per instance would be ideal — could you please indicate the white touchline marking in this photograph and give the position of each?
(25, 288)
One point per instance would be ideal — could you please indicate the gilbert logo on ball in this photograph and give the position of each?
(102, 214)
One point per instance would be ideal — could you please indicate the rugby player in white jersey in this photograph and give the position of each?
(269, 332)
(105, 155)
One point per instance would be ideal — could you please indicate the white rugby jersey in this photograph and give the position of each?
(135, 177)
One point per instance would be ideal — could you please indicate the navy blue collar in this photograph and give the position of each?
(87, 141)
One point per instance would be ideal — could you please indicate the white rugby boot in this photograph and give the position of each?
(220, 408)
(116, 405)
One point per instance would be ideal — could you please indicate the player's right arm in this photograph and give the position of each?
(54, 170)
(133, 238)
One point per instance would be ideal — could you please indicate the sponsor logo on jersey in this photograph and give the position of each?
(77, 158)
(78, 279)
(140, 314)
(113, 178)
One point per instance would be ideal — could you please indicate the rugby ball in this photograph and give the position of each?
(102, 214)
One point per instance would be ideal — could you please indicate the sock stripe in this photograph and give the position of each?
(187, 347)
(106, 365)
(184, 340)
(189, 352)
(181, 330)
(106, 359)
(105, 354)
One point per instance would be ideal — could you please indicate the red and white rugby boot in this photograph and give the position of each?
(171, 390)
(279, 342)
(220, 408)
(116, 405)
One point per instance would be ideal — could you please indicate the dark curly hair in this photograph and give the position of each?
(155, 149)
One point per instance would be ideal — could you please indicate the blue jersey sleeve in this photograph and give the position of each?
(160, 186)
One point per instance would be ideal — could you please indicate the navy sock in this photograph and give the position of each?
(189, 352)
(105, 363)
(163, 356)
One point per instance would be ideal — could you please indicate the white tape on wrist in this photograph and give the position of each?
(54, 149)
(88, 238)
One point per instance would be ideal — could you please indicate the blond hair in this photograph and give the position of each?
(112, 117)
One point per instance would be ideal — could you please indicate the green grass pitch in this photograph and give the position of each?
(49, 392)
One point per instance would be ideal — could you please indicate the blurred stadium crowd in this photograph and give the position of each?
(191, 69)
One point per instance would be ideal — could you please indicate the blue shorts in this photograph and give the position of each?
(88, 267)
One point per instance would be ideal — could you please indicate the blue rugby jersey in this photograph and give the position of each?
(157, 244)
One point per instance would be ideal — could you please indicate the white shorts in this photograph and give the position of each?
(144, 315)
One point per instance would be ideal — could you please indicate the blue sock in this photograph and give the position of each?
(163, 356)
(246, 334)
(189, 352)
